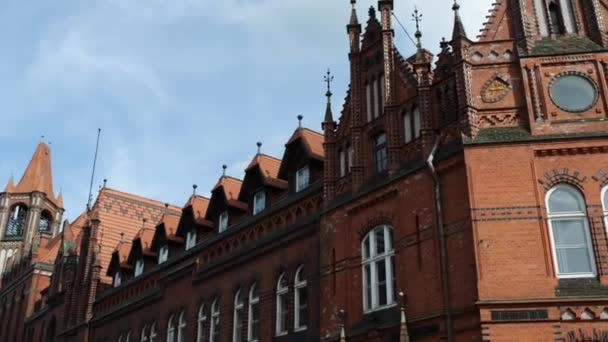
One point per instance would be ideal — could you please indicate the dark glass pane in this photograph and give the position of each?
(381, 282)
(573, 93)
(368, 286)
(379, 237)
(303, 308)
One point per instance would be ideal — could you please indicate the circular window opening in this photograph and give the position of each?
(573, 93)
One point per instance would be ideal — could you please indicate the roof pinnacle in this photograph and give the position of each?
(459, 30)
(300, 117)
(259, 145)
(328, 78)
(224, 167)
(417, 17)
(353, 14)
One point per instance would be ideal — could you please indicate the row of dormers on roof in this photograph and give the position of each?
(267, 182)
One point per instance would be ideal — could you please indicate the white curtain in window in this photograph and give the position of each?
(572, 249)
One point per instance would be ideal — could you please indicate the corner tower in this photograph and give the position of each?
(30, 213)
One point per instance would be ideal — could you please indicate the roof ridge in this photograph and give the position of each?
(160, 203)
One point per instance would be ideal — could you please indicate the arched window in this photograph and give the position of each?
(16, 220)
(369, 101)
(153, 332)
(376, 99)
(572, 250)
(381, 153)
(412, 124)
(557, 20)
(120, 339)
(171, 329)
(45, 222)
(253, 323)
(214, 331)
(237, 327)
(201, 321)
(300, 300)
(128, 337)
(282, 312)
(181, 327)
(378, 258)
(143, 337)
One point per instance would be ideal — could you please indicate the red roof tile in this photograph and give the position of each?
(269, 168)
(38, 175)
(313, 142)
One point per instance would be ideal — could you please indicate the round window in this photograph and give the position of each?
(573, 93)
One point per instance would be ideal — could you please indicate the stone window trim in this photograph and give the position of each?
(253, 326)
(239, 312)
(382, 219)
(282, 296)
(300, 284)
(559, 75)
(201, 321)
(378, 295)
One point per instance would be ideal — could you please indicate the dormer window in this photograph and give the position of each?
(190, 239)
(117, 279)
(302, 178)
(223, 221)
(163, 254)
(346, 160)
(259, 202)
(139, 267)
(381, 153)
(412, 124)
(342, 163)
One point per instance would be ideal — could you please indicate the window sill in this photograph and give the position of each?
(380, 308)
(300, 329)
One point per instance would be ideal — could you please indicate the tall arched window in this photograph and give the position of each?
(557, 20)
(181, 327)
(44, 224)
(369, 101)
(143, 337)
(171, 329)
(378, 268)
(569, 230)
(605, 204)
(237, 327)
(253, 322)
(153, 332)
(282, 312)
(300, 300)
(120, 339)
(201, 321)
(128, 337)
(214, 331)
(16, 220)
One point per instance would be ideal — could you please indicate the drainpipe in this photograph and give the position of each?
(443, 253)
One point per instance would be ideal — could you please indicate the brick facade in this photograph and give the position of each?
(422, 213)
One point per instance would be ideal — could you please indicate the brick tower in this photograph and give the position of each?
(29, 211)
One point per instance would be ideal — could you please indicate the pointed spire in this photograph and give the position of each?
(38, 174)
(10, 186)
(353, 14)
(458, 31)
(372, 12)
(60, 199)
(328, 113)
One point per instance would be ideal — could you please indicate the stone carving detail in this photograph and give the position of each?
(496, 88)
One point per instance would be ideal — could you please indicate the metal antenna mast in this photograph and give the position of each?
(93, 172)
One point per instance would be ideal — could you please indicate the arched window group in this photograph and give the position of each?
(412, 124)
(17, 221)
(555, 17)
(148, 335)
(378, 260)
(569, 230)
(45, 222)
(374, 91)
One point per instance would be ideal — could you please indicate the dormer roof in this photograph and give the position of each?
(312, 141)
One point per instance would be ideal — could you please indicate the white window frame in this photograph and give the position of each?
(190, 239)
(215, 320)
(552, 217)
(117, 279)
(605, 205)
(181, 327)
(417, 122)
(302, 178)
(237, 319)
(223, 219)
(120, 338)
(299, 285)
(281, 319)
(128, 337)
(254, 299)
(201, 321)
(372, 260)
(139, 267)
(171, 329)
(163, 254)
(259, 202)
(143, 337)
(153, 332)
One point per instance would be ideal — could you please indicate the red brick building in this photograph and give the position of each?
(458, 197)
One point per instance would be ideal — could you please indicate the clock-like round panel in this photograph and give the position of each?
(573, 92)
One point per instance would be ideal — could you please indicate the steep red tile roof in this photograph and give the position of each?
(199, 207)
(170, 222)
(313, 142)
(38, 175)
(120, 212)
(231, 186)
(145, 236)
(269, 167)
(48, 253)
(10, 186)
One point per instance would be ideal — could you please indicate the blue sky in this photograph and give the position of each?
(178, 87)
